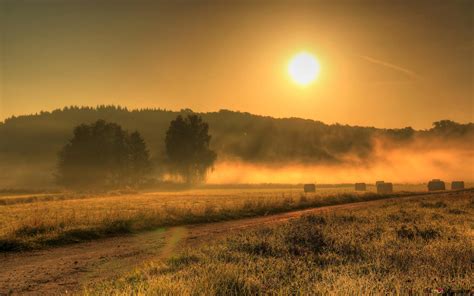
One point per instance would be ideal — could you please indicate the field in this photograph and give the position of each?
(405, 246)
(30, 221)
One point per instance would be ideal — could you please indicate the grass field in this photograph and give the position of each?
(400, 247)
(29, 221)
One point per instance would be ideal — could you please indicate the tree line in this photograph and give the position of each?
(236, 135)
(29, 143)
(104, 155)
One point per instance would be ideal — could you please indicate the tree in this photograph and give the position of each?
(451, 128)
(103, 155)
(187, 148)
(139, 158)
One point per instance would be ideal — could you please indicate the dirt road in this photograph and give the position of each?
(65, 269)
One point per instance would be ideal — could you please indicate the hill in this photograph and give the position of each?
(29, 144)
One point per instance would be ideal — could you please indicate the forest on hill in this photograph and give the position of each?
(29, 144)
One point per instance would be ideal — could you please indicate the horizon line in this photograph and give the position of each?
(187, 109)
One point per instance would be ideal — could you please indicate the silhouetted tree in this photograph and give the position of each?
(103, 155)
(451, 128)
(187, 148)
(139, 158)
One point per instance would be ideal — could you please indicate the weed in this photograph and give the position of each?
(411, 233)
(436, 205)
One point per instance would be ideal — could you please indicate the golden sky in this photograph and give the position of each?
(383, 63)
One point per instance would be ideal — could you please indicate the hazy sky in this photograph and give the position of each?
(383, 63)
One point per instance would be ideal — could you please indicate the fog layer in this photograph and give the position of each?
(415, 163)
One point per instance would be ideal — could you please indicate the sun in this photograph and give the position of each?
(304, 68)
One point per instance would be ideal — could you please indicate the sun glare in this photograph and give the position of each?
(304, 68)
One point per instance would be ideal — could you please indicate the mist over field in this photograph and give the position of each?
(252, 149)
(414, 159)
(414, 163)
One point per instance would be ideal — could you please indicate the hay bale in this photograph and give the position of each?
(384, 188)
(360, 187)
(436, 184)
(309, 188)
(455, 185)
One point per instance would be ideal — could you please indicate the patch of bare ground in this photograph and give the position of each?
(64, 270)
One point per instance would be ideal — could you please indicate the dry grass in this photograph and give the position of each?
(34, 221)
(400, 247)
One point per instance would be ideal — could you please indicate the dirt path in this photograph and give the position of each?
(202, 232)
(65, 269)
